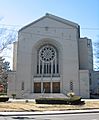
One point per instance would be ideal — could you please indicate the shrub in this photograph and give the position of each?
(26, 101)
(4, 98)
(50, 101)
(72, 100)
(70, 94)
(13, 95)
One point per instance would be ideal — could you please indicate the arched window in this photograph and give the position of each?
(47, 61)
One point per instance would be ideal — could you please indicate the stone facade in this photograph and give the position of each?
(50, 57)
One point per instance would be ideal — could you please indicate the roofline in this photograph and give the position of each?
(59, 19)
(32, 23)
(65, 21)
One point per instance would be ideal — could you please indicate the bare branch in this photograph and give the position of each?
(6, 38)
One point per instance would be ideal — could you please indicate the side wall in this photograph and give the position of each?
(84, 84)
(95, 83)
(85, 54)
(11, 83)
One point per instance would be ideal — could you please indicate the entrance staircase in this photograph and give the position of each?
(44, 95)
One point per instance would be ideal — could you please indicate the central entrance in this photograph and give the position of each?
(47, 87)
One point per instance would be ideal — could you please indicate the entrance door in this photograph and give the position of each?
(37, 87)
(56, 87)
(46, 87)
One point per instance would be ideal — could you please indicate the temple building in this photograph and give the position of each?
(50, 58)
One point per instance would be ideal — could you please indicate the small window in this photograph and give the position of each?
(22, 87)
(71, 85)
(90, 81)
(90, 74)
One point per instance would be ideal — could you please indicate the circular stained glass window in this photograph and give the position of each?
(47, 53)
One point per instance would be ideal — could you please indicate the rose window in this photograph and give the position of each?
(47, 53)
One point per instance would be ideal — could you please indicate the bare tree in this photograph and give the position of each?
(7, 37)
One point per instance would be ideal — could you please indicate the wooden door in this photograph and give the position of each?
(46, 87)
(56, 87)
(37, 87)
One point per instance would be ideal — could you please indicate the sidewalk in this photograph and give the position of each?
(33, 100)
(48, 112)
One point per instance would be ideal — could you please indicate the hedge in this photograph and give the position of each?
(1, 94)
(70, 100)
(4, 98)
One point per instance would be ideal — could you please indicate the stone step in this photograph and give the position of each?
(45, 95)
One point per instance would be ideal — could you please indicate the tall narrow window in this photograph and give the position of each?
(41, 69)
(54, 69)
(37, 69)
(57, 69)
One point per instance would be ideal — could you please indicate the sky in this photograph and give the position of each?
(18, 13)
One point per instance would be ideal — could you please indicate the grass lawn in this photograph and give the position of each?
(32, 106)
